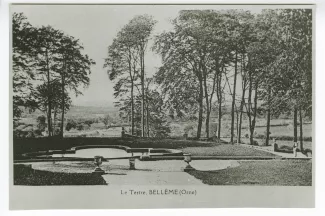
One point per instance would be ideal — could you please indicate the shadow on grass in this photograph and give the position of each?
(25, 175)
(114, 173)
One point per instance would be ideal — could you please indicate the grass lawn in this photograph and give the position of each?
(280, 143)
(225, 150)
(170, 143)
(200, 148)
(290, 144)
(284, 130)
(288, 173)
(27, 176)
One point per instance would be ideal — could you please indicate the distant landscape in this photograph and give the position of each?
(90, 120)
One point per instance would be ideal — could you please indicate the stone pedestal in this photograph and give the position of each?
(98, 170)
(188, 159)
(132, 163)
(275, 147)
(188, 168)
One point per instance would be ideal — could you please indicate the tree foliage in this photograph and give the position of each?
(47, 66)
(206, 50)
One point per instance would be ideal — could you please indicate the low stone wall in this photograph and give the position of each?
(26, 145)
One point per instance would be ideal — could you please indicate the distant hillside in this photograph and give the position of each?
(91, 111)
(79, 112)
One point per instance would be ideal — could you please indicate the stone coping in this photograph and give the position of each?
(47, 155)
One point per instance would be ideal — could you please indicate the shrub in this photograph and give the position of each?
(86, 127)
(286, 148)
(107, 120)
(290, 138)
(37, 133)
(159, 127)
(80, 127)
(70, 124)
(41, 123)
(213, 128)
(188, 128)
(17, 133)
(255, 143)
(193, 133)
(89, 122)
(260, 136)
(308, 150)
(57, 131)
(30, 134)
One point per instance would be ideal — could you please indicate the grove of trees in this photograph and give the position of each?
(48, 65)
(260, 63)
(252, 64)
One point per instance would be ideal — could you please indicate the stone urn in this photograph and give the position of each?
(132, 163)
(188, 159)
(98, 161)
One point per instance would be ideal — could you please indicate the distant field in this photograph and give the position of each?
(279, 127)
(79, 111)
(91, 112)
(99, 132)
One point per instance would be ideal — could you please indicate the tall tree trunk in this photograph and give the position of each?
(219, 94)
(241, 115)
(132, 109)
(54, 121)
(219, 118)
(249, 109)
(233, 102)
(147, 117)
(237, 126)
(242, 103)
(240, 124)
(142, 91)
(63, 103)
(49, 94)
(255, 113)
(207, 120)
(268, 119)
(301, 134)
(295, 131)
(199, 127)
(132, 93)
(207, 124)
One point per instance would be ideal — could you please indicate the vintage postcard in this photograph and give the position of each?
(161, 106)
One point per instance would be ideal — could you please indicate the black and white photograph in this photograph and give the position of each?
(154, 96)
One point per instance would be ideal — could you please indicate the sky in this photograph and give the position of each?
(96, 26)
